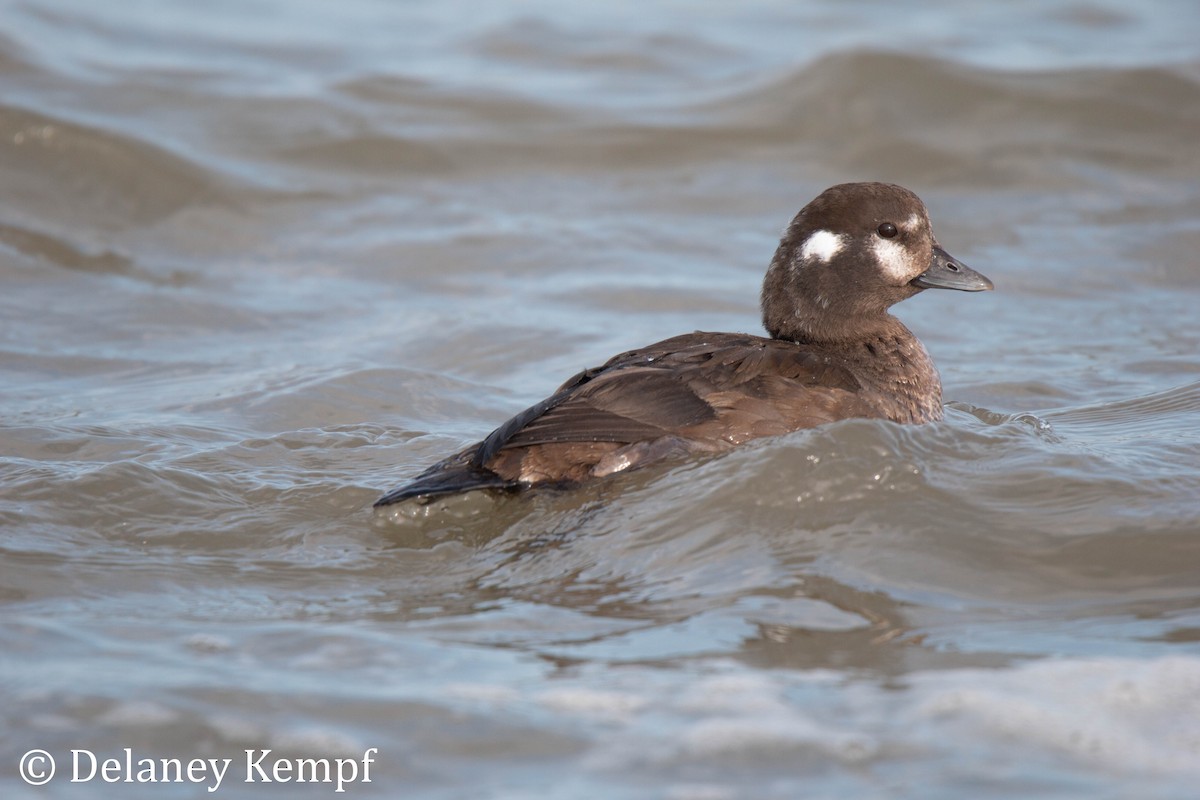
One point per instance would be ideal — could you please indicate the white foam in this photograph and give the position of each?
(1108, 714)
(1103, 717)
(593, 702)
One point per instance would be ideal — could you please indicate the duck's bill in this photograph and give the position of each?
(947, 272)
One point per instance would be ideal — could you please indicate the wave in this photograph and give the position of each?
(70, 175)
(856, 111)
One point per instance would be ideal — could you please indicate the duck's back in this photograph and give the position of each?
(696, 393)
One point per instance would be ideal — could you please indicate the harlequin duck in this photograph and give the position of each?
(834, 353)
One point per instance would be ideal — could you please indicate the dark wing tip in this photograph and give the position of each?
(452, 475)
(428, 487)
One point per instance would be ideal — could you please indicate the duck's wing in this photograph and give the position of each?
(701, 392)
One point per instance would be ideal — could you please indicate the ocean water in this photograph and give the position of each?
(263, 261)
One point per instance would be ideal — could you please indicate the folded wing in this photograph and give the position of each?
(695, 393)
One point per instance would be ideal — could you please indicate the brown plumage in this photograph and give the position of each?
(835, 353)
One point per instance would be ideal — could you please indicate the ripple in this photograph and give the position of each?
(75, 175)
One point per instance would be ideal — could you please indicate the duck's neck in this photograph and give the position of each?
(888, 359)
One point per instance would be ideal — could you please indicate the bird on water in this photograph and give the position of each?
(834, 352)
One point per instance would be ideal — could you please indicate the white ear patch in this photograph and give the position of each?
(822, 245)
(894, 259)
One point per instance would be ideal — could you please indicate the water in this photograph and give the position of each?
(263, 261)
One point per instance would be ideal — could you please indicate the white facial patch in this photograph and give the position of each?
(894, 259)
(823, 246)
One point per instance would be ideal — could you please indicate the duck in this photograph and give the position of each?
(833, 352)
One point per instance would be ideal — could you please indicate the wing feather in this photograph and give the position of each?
(727, 387)
(700, 392)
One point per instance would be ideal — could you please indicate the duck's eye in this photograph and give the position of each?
(887, 230)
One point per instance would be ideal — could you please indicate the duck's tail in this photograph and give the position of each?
(456, 474)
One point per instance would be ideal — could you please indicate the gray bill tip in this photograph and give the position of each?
(947, 272)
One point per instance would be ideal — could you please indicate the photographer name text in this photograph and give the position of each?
(254, 766)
